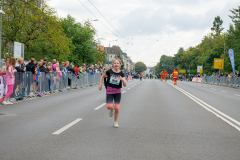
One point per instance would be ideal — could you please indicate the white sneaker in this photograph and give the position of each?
(115, 124)
(111, 113)
(9, 102)
(4, 103)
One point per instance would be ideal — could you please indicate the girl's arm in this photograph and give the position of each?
(123, 80)
(10, 71)
(101, 80)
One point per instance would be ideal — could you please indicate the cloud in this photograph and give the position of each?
(174, 23)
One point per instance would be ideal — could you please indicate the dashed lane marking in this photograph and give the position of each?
(236, 94)
(67, 126)
(123, 91)
(224, 91)
(97, 108)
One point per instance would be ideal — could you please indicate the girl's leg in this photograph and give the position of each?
(117, 99)
(109, 101)
(9, 92)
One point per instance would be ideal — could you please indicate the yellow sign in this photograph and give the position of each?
(182, 71)
(201, 70)
(218, 63)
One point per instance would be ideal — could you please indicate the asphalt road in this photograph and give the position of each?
(157, 120)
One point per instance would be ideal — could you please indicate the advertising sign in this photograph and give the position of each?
(198, 68)
(218, 63)
(18, 50)
(182, 71)
(231, 56)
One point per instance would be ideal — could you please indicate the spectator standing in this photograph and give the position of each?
(71, 73)
(4, 68)
(43, 76)
(30, 71)
(10, 79)
(20, 73)
(76, 69)
(49, 75)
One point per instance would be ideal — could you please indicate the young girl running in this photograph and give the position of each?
(115, 80)
(10, 79)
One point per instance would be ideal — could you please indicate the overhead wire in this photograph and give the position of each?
(133, 49)
(95, 17)
(107, 21)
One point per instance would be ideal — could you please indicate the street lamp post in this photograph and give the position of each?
(1, 12)
(109, 50)
(224, 57)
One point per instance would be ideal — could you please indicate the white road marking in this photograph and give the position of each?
(211, 109)
(213, 89)
(123, 91)
(67, 126)
(97, 108)
(129, 88)
(224, 91)
(236, 95)
(132, 86)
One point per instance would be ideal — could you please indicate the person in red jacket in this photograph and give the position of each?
(161, 74)
(175, 76)
(165, 75)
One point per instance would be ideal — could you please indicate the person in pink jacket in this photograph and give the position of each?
(10, 80)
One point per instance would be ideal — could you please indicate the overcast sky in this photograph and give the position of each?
(148, 29)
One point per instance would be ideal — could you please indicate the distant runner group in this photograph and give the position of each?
(174, 75)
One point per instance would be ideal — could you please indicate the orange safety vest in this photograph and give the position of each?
(165, 74)
(175, 74)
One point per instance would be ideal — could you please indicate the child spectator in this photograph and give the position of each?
(10, 79)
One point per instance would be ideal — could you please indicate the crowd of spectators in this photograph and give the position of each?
(33, 70)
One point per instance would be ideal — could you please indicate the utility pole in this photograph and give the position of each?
(1, 12)
(224, 57)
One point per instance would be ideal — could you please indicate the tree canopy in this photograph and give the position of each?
(140, 67)
(44, 34)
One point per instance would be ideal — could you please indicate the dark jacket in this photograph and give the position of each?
(20, 68)
(72, 70)
(43, 69)
(30, 67)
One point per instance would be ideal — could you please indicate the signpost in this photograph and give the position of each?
(218, 63)
(182, 71)
(18, 50)
(199, 68)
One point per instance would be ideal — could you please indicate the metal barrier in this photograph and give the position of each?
(29, 85)
(229, 81)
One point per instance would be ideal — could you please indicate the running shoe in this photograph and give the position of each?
(4, 103)
(9, 102)
(39, 95)
(111, 113)
(115, 124)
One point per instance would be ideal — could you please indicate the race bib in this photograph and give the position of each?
(114, 80)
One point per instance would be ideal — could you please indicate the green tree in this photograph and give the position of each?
(101, 56)
(82, 37)
(39, 29)
(140, 67)
(217, 26)
(234, 38)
